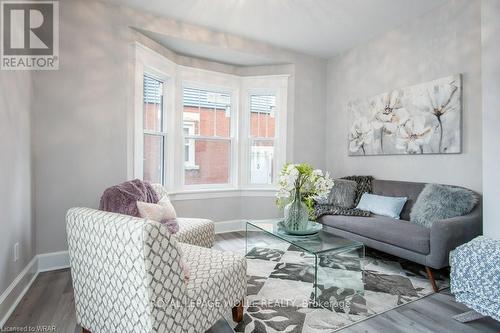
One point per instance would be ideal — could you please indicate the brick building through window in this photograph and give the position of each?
(207, 130)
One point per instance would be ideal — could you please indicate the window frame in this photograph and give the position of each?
(175, 77)
(148, 63)
(259, 138)
(191, 154)
(264, 85)
(216, 82)
(164, 131)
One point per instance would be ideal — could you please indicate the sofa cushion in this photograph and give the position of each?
(439, 202)
(156, 212)
(382, 205)
(364, 184)
(393, 188)
(342, 193)
(399, 233)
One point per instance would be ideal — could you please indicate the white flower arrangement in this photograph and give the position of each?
(311, 184)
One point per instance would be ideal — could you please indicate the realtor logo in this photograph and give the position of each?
(29, 35)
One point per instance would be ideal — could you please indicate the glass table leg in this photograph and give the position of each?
(336, 271)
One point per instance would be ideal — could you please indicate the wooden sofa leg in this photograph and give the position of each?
(238, 312)
(84, 330)
(430, 275)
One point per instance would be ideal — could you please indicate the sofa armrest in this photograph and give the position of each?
(447, 234)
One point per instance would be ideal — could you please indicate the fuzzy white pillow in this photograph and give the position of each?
(162, 211)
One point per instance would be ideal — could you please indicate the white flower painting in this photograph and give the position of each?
(421, 119)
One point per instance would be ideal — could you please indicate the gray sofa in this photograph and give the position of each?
(427, 246)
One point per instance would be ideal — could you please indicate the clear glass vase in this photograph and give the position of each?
(296, 214)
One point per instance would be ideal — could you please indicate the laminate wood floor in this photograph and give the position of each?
(50, 302)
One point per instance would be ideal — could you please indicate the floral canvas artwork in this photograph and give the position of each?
(421, 119)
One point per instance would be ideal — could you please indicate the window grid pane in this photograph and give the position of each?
(210, 112)
(261, 161)
(212, 161)
(154, 127)
(262, 116)
(153, 158)
(206, 115)
(153, 105)
(262, 138)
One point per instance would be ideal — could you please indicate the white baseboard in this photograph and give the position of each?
(53, 261)
(16, 290)
(229, 226)
(45, 262)
(13, 295)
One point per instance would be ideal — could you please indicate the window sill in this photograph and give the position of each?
(221, 193)
(191, 167)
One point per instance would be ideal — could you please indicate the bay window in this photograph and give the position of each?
(225, 132)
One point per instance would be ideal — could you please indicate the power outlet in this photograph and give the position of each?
(16, 252)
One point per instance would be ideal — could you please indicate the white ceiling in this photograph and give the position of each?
(207, 51)
(318, 27)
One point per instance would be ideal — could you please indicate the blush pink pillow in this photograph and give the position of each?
(162, 212)
(165, 202)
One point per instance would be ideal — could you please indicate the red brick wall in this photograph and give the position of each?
(262, 125)
(152, 147)
(211, 156)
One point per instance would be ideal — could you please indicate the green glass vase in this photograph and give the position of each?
(296, 214)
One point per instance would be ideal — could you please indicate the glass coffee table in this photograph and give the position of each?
(332, 263)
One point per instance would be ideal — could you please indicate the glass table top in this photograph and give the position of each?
(321, 242)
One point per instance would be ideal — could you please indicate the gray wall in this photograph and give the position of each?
(15, 171)
(228, 209)
(490, 34)
(80, 114)
(443, 42)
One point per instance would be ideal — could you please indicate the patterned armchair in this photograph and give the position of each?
(127, 277)
(475, 277)
(193, 231)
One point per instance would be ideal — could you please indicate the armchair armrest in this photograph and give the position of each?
(447, 234)
(122, 267)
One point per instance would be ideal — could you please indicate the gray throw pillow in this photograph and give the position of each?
(437, 202)
(343, 193)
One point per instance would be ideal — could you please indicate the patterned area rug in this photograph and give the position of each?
(280, 289)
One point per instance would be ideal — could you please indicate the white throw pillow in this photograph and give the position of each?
(159, 212)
